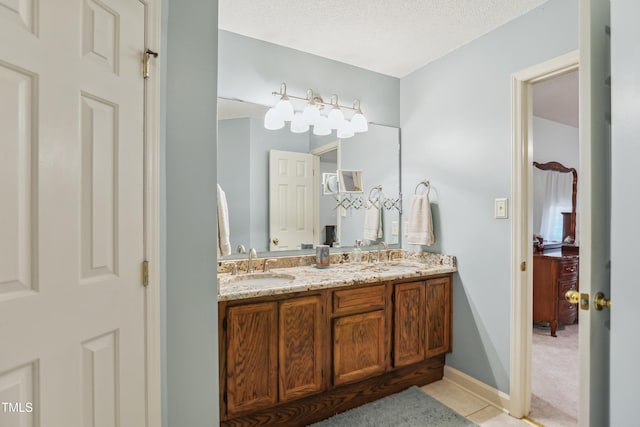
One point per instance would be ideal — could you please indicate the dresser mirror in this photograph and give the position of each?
(336, 215)
(555, 189)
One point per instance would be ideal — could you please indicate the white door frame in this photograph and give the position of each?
(153, 28)
(522, 229)
(317, 152)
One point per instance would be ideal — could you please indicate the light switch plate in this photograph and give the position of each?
(501, 209)
(394, 228)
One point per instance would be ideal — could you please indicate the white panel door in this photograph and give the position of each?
(291, 201)
(594, 187)
(72, 331)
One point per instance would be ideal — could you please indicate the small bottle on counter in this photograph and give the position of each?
(356, 253)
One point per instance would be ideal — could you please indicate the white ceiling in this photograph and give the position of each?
(557, 99)
(392, 37)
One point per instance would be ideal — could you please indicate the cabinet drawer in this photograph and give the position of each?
(567, 312)
(565, 286)
(569, 269)
(350, 300)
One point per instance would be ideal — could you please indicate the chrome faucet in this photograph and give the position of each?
(252, 256)
(386, 247)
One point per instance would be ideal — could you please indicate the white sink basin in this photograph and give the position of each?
(258, 279)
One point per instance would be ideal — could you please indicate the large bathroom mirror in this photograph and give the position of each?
(336, 217)
(555, 189)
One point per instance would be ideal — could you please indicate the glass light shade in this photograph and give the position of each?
(345, 130)
(284, 109)
(359, 123)
(272, 120)
(311, 114)
(299, 124)
(321, 127)
(336, 117)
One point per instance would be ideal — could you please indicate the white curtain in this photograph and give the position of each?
(552, 194)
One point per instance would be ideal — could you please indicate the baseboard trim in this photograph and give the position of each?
(479, 389)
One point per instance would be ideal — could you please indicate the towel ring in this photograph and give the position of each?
(426, 184)
(377, 187)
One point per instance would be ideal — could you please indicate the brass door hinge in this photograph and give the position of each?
(145, 273)
(523, 266)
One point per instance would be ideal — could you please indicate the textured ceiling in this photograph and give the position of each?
(392, 37)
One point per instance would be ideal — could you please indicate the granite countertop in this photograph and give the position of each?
(305, 278)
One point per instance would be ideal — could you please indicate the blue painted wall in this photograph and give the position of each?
(456, 131)
(189, 292)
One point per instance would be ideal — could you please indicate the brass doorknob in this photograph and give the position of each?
(601, 302)
(275, 241)
(572, 296)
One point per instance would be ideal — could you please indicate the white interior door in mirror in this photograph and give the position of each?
(291, 202)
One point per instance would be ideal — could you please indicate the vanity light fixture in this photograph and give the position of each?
(311, 115)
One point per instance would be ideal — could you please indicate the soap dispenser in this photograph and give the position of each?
(356, 254)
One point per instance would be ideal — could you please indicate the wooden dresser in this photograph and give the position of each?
(554, 273)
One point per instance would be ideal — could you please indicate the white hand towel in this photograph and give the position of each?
(372, 223)
(224, 246)
(420, 229)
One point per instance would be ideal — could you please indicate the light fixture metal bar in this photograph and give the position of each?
(317, 100)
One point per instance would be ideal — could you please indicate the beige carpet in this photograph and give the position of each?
(554, 377)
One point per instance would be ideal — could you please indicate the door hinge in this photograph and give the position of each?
(523, 266)
(145, 273)
(146, 58)
(224, 324)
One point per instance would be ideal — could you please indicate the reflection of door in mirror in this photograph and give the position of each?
(555, 191)
(291, 200)
(328, 220)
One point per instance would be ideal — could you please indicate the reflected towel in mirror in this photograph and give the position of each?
(373, 223)
(420, 228)
(224, 245)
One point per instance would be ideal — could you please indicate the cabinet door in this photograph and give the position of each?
(300, 347)
(409, 323)
(252, 340)
(358, 346)
(438, 316)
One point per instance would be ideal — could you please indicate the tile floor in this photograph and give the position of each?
(466, 404)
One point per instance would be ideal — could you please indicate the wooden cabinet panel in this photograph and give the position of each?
(409, 323)
(438, 296)
(252, 357)
(358, 346)
(300, 347)
(553, 275)
(350, 300)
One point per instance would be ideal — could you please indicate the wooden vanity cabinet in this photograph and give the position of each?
(274, 352)
(291, 360)
(359, 345)
(409, 323)
(422, 320)
(252, 359)
(438, 300)
(300, 347)
(553, 275)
